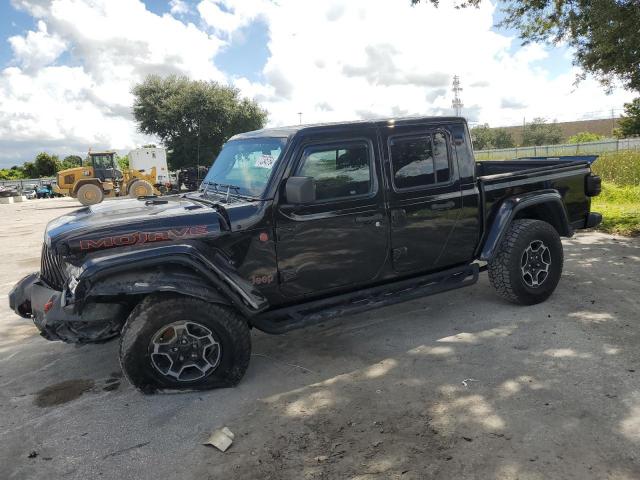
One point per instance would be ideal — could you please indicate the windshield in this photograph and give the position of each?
(245, 165)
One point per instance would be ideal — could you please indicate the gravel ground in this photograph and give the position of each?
(457, 385)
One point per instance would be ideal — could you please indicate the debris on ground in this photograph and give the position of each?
(221, 439)
(466, 381)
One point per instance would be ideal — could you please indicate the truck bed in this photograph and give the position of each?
(489, 168)
(498, 180)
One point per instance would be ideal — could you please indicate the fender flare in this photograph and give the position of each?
(510, 207)
(203, 273)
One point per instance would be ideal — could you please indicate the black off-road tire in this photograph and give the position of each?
(155, 312)
(505, 272)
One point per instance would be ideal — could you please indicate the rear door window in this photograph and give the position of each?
(419, 161)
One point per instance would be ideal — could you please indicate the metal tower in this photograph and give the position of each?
(456, 103)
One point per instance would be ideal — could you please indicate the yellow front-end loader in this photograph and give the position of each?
(101, 178)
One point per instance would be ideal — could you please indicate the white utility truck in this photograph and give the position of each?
(145, 158)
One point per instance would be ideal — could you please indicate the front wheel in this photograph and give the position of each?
(182, 343)
(528, 265)
(90, 194)
(140, 188)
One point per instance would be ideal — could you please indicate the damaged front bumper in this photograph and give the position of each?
(59, 319)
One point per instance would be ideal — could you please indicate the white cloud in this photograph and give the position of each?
(366, 58)
(112, 44)
(332, 60)
(228, 16)
(179, 7)
(37, 49)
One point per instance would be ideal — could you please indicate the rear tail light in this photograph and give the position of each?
(593, 185)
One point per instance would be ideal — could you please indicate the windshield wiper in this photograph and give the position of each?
(236, 192)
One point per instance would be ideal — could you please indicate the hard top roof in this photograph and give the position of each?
(289, 131)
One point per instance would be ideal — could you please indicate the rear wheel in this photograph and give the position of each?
(182, 343)
(140, 188)
(528, 266)
(90, 194)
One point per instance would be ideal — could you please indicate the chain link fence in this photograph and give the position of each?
(560, 150)
(26, 182)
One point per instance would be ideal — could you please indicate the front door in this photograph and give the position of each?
(424, 196)
(341, 239)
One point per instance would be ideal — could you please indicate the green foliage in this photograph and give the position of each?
(482, 137)
(620, 168)
(13, 173)
(604, 34)
(192, 116)
(71, 161)
(502, 138)
(584, 137)
(30, 170)
(539, 132)
(629, 124)
(46, 165)
(620, 208)
(485, 137)
(123, 162)
(619, 201)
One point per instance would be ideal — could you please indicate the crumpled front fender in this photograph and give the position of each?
(20, 296)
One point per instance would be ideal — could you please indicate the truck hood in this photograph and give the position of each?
(129, 222)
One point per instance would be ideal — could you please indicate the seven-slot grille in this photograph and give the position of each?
(52, 268)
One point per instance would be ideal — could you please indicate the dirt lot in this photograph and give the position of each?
(458, 385)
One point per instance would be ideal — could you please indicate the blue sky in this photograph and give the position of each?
(67, 66)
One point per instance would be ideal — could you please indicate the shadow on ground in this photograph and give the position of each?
(459, 385)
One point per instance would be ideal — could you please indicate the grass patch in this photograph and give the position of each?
(620, 168)
(620, 208)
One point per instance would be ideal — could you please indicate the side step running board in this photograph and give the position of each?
(298, 316)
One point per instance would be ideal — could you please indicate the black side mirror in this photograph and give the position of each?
(300, 190)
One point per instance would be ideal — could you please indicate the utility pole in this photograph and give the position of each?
(613, 122)
(300, 118)
(456, 103)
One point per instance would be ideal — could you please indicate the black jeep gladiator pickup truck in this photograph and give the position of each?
(295, 225)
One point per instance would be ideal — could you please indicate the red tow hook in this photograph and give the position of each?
(48, 305)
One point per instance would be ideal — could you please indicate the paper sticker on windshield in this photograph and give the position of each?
(265, 161)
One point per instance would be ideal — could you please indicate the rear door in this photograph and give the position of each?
(424, 196)
(341, 239)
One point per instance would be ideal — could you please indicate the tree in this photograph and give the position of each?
(485, 137)
(604, 34)
(46, 165)
(584, 137)
(30, 170)
(123, 162)
(502, 138)
(71, 161)
(13, 173)
(539, 132)
(629, 124)
(482, 137)
(192, 118)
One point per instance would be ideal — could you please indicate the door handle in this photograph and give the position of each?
(370, 218)
(443, 206)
